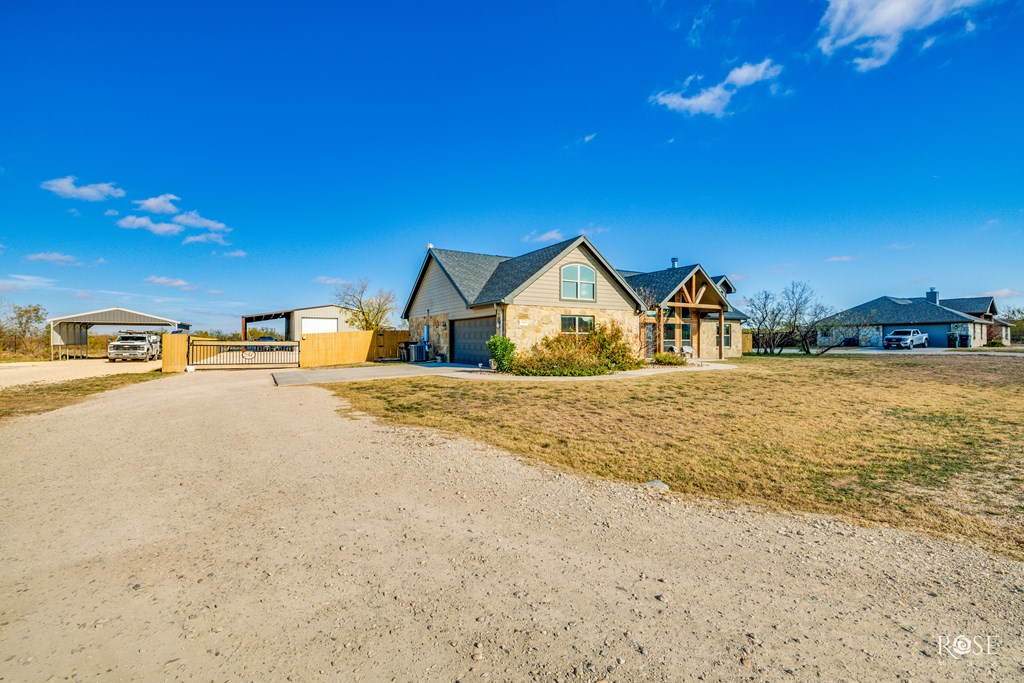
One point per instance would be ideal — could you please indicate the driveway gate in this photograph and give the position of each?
(208, 354)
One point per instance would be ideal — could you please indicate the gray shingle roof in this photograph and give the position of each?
(889, 310)
(469, 272)
(661, 283)
(971, 304)
(510, 274)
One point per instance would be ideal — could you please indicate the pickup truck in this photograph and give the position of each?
(131, 345)
(905, 338)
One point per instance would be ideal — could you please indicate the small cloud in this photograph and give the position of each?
(992, 221)
(237, 253)
(111, 212)
(588, 138)
(18, 283)
(1005, 293)
(206, 238)
(75, 212)
(161, 204)
(783, 267)
(2, 247)
(875, 28)
(839, 259)
(592, 230)
(215, 291)
(99, 262)
(969, 26)
(715, 99)
(928, 43)
(54, 257)
(97, 192)
(85, 295)
(549, 236)
(737, 277)
(146, 223)
(192, 219)
(899, 246)
(324, 280)
(171, 282)
(697, 27)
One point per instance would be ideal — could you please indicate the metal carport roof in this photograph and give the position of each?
(118, 316)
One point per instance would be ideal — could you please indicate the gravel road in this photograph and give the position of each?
(212, 526)
(61, 371)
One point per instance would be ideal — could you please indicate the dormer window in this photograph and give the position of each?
(578, 282)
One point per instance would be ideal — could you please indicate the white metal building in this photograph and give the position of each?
(69, 334)
(302, 321)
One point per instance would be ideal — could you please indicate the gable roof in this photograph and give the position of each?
(722, 281)
(482, 279)
(889, 310)
(117, 316)
(973, 305)
(662, 284)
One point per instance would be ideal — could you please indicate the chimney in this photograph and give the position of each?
(932, 296)
(675, 262)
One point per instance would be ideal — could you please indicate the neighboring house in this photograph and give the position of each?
(299, 322)
(869, 322)
(461, 299)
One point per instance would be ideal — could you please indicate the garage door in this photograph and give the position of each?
(469, 340)
(319, 325)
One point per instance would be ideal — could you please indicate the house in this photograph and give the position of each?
(461, 299)
(869, 322)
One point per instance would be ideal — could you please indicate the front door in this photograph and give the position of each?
(650, 339)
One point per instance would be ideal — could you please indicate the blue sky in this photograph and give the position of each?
(242, 157)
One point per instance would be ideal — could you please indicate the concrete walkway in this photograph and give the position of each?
(286, 378)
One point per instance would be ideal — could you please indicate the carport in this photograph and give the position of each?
(69, 334)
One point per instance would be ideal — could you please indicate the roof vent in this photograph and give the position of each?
(675, 262)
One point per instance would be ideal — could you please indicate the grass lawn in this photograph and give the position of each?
(933, 443)
(28, 399)
(1000, 349)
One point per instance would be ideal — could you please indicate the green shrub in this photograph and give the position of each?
(503, 351)
(604, 350)
(995, 342)
(669, 359)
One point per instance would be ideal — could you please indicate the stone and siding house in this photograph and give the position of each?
(461, 299)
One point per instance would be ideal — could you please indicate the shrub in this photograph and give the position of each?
(503, 351)
(995, 342)
(604, 350)
(669, 359)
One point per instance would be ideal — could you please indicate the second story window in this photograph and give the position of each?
(578, 282)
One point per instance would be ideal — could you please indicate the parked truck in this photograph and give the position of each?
(132, 345)
(905, 339)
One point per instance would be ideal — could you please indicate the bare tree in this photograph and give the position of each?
(1015, 316)
(367, 311)
(768, 318)
(804, 310)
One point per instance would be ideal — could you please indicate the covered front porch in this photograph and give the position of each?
(690, 321)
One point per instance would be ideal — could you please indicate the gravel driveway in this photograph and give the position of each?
(244, 531)
(60, 371)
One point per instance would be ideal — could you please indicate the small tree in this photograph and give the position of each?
(803, 311)
(1015, 316)
(367, 311)
(25, 322)
(768, 318)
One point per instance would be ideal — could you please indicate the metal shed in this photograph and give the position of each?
(69, 334)
(302, 321)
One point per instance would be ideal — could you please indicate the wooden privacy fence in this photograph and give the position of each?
(315, 350)
(748, 341)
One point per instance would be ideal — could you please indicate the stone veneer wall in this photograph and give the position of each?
(438, 337)
(526, 326)
(708, 332)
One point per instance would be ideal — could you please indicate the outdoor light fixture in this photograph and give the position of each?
(444, 324)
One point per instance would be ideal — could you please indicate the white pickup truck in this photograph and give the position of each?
(904, 339)
(130, 345)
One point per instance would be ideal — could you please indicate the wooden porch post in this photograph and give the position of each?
(721, 333)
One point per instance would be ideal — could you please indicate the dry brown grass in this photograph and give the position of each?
(29, 399)
(933, 443)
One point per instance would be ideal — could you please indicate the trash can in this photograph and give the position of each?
(965, 341)
(951, 339)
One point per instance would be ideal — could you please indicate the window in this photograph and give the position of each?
(578, 282)
(728, 335)
(669, 341)
(577, 324)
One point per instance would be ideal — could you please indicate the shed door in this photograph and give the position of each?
(319, 325)
(469, 340)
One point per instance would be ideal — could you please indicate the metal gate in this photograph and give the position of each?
(209, 354)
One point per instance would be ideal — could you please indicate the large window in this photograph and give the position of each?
(669, 341)
(577, 324)
(728, 336)
(578, 282)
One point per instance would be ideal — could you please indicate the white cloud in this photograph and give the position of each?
(18, 283)
(324, 280)
(85, 295)
(928, 43)
(875, 28)
(588, 138)
(161, 204)
(111, 212)
(714, 100)
(237, 253)
(549, 236)
(75, 212)
(206, 238)
(97, 192)
(146, 223)
(215, 291)
(54, 257)
(1005, 293)
(100, 261)
(192, 219)
(171, 282)
(839, 259)
(970, 26)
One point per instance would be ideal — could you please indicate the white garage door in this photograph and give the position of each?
(319, 325)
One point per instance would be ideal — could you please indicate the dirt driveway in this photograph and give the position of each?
(244, 531)
(60, 371)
